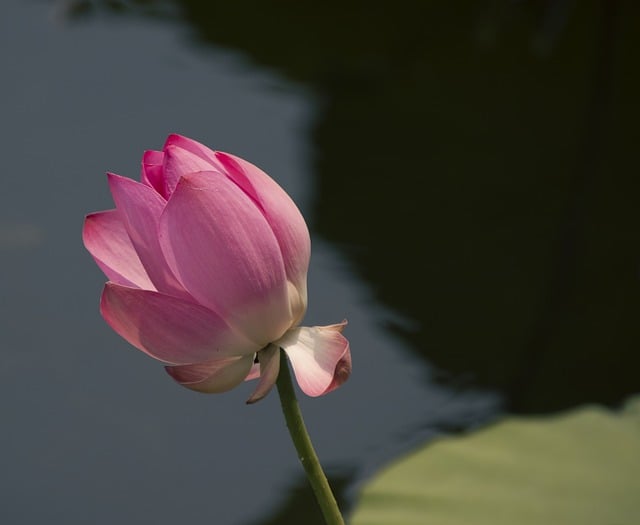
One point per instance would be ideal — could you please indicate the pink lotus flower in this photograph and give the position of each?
(207, 261)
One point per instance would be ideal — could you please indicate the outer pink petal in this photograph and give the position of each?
(140, 207)
(224, 253)
(281, 213)
(179, 162)
(170, 329)
(106, 238)
(214, 376)
(320, 357)
(269, 360)
(152, 171)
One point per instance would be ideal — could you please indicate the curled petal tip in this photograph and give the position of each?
(320, 357)
(342, 371)
(254, 399)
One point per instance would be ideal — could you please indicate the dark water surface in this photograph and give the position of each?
(469, 177)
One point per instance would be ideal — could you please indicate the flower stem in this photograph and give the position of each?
(302, 442)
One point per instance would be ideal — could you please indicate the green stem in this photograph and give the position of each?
(302, 442)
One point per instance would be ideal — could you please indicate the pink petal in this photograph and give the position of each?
(213, 376)
(320, 357)
(140, 207)
(192, 146)
(152, 171)
(106, 238)
(281, 213)
(179, 162)
(221, 248)
(269, 360)
(170, 329)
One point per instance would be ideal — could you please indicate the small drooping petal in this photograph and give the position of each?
(320, 357)
(224, 253)
(269, 361)
(212, 376)
(254, 373)
(152, 174)
(140, 207)
(106, 238)
(282, 214)
(170, 329)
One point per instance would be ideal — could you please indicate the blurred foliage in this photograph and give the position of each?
(579, 468)
(475, 161)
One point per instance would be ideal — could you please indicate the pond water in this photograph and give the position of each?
(470, 205)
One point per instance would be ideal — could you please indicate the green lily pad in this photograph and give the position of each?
(581, 467)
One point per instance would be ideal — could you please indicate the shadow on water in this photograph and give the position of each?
(475, 162)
